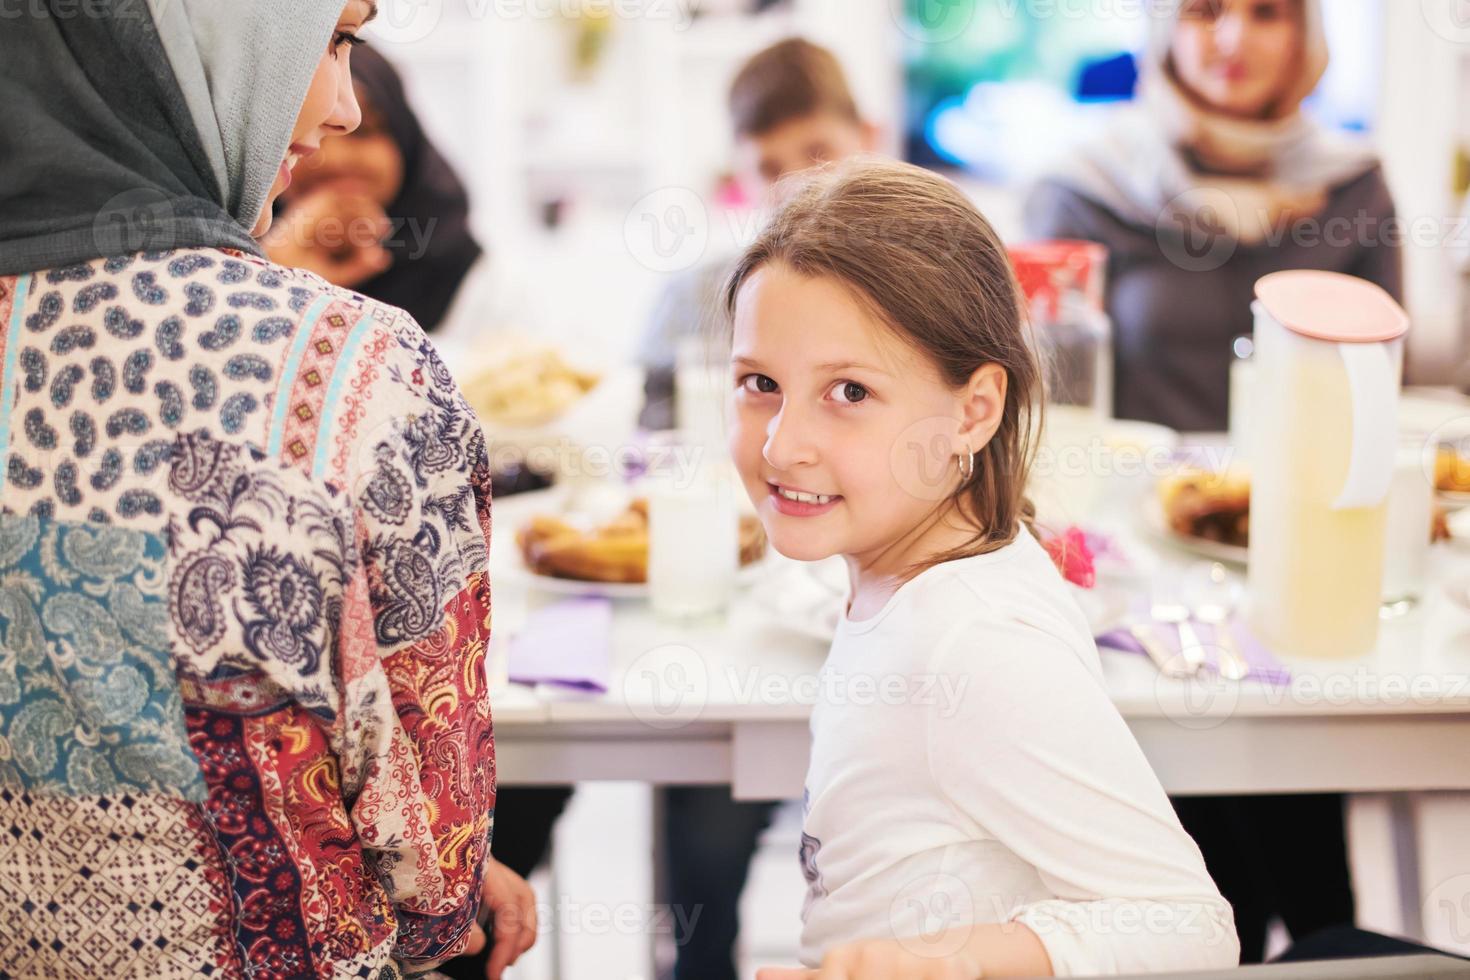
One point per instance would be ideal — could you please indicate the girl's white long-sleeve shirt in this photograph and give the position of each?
(968, 767)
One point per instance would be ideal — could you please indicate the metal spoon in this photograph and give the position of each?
(1169, 663)
(1168, 608)
(1212, 595)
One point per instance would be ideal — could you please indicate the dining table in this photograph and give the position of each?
(726, 699)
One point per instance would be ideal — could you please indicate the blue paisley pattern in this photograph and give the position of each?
(89, 703)
(259, 559)
(244, 727)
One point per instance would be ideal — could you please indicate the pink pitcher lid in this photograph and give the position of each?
(1332, 306)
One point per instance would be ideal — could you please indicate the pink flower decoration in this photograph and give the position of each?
(1073, 556)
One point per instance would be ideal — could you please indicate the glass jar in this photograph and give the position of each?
(1323, 443)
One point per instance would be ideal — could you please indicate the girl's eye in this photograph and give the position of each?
(758, 384)
(347, 39)
(849, 391)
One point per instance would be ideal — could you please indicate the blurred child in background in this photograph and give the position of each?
(790, 108)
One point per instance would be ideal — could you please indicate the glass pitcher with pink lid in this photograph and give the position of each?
(1329, 349)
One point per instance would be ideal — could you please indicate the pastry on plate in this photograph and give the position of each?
(615, 552)
(1451, 471)
(1216, 507)
(526, 387)
(1213, 506)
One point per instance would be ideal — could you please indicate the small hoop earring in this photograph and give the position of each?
(967, 467)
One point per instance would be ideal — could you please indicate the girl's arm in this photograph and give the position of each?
(1009, 950)
(1037, 756)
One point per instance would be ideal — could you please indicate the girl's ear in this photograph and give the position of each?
(984, 406)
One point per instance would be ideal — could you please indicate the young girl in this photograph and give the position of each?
(884, 394)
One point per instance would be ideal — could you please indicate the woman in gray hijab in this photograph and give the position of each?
(244, 525)
(1212, 180)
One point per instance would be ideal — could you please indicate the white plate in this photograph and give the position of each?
(1452, 500)
(806, 598)
(1434, 410)
(1458, 522)
(1138, 436)
(748, 575)
(1154, 520)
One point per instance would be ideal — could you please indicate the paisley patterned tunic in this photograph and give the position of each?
(244, 605)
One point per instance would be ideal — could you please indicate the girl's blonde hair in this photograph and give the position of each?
(914, 249)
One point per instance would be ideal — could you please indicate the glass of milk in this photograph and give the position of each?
(693, 528)
(1407, 530)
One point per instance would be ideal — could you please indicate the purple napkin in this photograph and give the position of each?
(565, 643)
(1264, 666)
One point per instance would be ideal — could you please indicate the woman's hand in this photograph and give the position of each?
(512, 907)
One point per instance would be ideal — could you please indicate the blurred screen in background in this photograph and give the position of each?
(1001, 87)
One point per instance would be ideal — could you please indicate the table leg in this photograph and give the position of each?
(1384, 864)
(1442, 824)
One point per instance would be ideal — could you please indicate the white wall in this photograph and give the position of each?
(1424, 94)
(490, 79)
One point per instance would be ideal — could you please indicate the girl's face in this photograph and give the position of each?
(330, 108)
(1238, 56)
(830, 402)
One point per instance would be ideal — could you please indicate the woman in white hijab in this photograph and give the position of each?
(244, 523)
(1212, 179)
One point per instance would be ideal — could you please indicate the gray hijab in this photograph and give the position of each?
(134, 127)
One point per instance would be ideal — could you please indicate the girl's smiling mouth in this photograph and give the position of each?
(801, 503)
